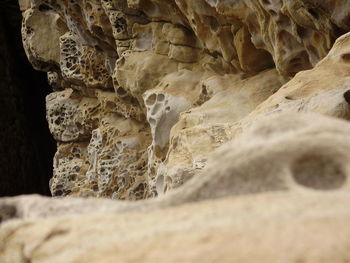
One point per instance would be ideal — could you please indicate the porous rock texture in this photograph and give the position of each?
(226, 120)
(298, 163)
(144, 90)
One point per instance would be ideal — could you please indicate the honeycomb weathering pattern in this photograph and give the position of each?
(145, 90)
(295, 153)
(245, 101)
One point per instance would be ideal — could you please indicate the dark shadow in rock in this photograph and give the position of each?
(26, 146)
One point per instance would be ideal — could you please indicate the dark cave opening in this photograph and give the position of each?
(26, 145)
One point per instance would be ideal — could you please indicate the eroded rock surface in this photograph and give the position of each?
(292, 152)
(215, 107)
(145, 90)
(285, 177)
(322, 89)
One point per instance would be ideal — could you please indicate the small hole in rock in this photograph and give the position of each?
(121, 91)
(214, 24)
(72, 177)
(347, 96)
(88, 7)
(152, 121)
(7, 212)
(98, 48)
(313, 12)
(302, 32)
(295, 60)
(44, 8)
(151, 99)
(57, 193)
(318, 172)
(160, 97)
(346, 57)
(98, 31)
(272, 12)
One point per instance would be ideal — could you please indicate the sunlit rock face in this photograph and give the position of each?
(145, 90)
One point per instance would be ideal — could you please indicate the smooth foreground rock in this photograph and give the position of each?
(270, 227)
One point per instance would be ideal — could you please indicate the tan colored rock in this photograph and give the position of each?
(285, 177)
(176, 93)
(24, 4)
(220, 60)
(273, 227)
(250, 58)
(43, 54)
(70, 116)
(202, 129)
(188, 100)
(288, 152)
(294, 152)
(137, 72)
(69, 169)
(318, 90)
(118, 159)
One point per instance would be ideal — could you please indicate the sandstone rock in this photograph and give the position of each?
(69, 168)
(43, 55)
(318, 90)
(194, 100)
(83, 65)
(70, 116)
(294, 152)
(272, 227)
(204, 128)
(301, 153)
(118, 157)
(190, 75)
(214, 108)
(293, 169)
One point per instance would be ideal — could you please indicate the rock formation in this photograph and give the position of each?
(145, 90)
(176, 102)
(300, 161)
